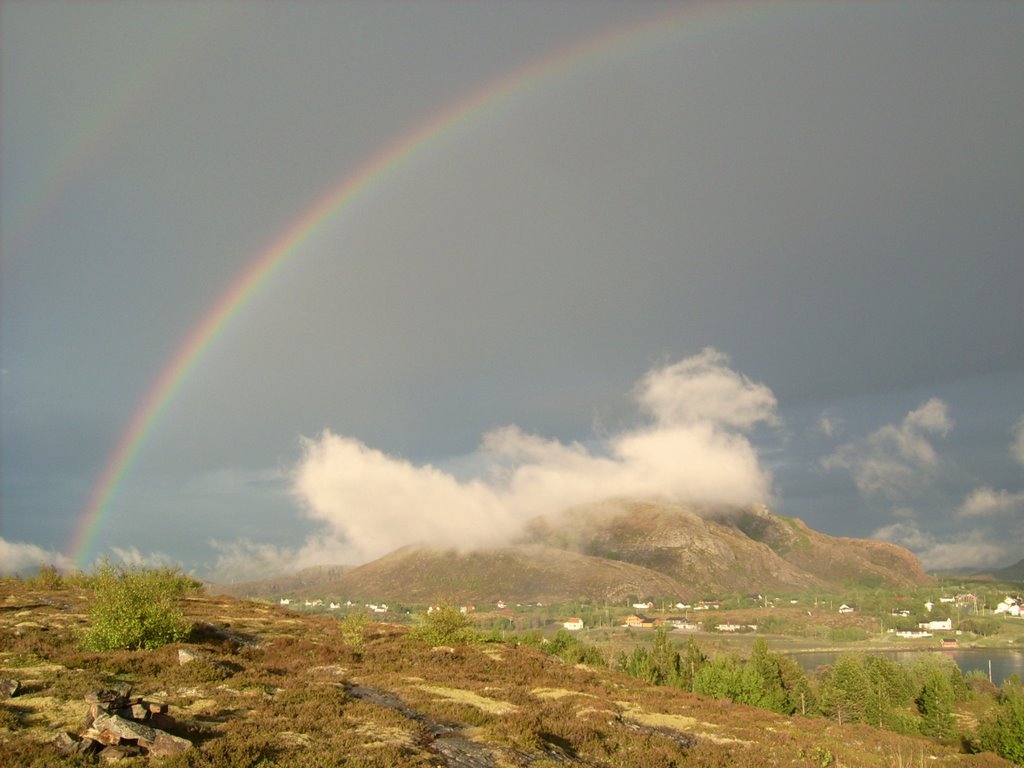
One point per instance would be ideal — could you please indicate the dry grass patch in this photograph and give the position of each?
(558, 693)
(461, 696)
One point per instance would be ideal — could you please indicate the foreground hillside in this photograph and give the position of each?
(620, 549)
(268, 687)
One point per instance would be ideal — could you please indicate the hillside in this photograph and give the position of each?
(284, 584)
(1013, 572)
(265, 686)
(522, 574)
(835, 560)
(615, 550)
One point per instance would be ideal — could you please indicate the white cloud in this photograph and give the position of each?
(974, 549)
(692, 449)
(988, 501)
(1017, 446)
(244, 560)
(20, 558)
(133, 556)
(829, 425)
(703, 389)
(895, 461)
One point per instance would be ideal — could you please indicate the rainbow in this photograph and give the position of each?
(652, 31)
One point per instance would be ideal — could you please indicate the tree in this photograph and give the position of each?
(845, 690)
(935, 703)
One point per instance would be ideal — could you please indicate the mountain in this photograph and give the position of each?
(1013, 572)
(528, 573)
(717, 551)
(281, 586)
(618, 549)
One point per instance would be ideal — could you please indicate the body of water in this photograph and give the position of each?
(1005, 661)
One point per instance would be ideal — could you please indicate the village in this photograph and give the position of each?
(948, 620)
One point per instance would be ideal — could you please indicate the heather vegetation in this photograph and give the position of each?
(267, 686)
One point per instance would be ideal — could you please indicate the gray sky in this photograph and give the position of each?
(749, 252)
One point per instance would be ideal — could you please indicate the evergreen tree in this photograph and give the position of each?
(935, 703)
(845, 690)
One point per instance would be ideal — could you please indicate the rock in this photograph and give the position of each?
(162, 721)
(120, 752)
(9, 688)
(123, 728)
(137, 711)
(65, 743)
(157, 706)
(186, 656)
(167, 745)
(110, 698)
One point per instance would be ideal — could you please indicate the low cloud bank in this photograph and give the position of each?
(971, 549)
(23, 559)
(690, 446)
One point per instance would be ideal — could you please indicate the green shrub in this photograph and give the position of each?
(445, 626)
(48, 578)
(1003, 730)
(135, 607)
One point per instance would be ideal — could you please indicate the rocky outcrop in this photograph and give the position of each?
(119, 725)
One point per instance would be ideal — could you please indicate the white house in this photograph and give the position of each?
(285, 601)
(844, 608)
(911, 634)
(1010, 606)
(574, 624)
(683, 624)
(334, 606)
(936, 624)
(643, 606)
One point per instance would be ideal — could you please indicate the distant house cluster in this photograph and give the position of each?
(1011, 606)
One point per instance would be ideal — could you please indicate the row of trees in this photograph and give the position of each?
(859, 687)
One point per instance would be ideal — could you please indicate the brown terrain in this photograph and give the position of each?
(259, 685)
(619, 549)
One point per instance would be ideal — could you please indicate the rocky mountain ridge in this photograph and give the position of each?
(623, 548)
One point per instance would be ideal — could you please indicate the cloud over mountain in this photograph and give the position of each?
(689, 446)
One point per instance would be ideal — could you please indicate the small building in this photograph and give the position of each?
(575, 624)
(911, 634)
(638, 620)
(948, 642)
(844, 608)
(643, 606)
(684, 625)
(1010, 606)
(936, 625)
(285, 601)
